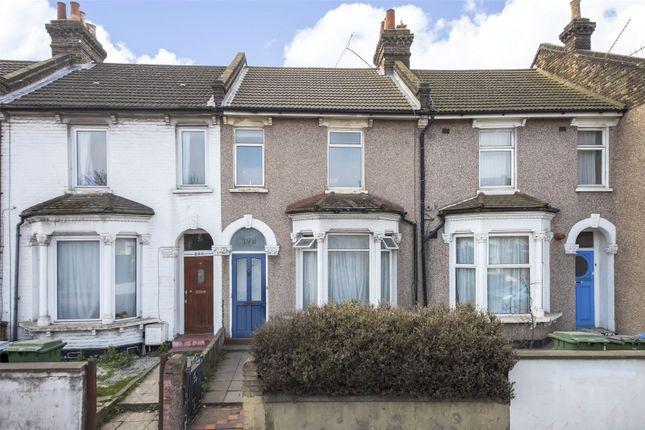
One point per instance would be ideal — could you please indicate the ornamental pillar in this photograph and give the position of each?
(42, 241)
(107, 292)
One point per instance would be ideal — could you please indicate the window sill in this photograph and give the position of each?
(260, 190)
(346, 191)
(204, 190)
(32, 327)
(592, 189)
(526, 318)
(90, 190)
(505, 190)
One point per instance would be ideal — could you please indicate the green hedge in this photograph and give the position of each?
(354, 349)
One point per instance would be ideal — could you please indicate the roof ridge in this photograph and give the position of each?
(579, 88)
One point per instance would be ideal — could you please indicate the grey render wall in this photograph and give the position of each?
(546, 165)
(630, 207)
(295, 169)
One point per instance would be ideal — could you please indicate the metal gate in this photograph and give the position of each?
(193, 379)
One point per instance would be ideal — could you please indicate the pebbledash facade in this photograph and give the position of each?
(154, 201)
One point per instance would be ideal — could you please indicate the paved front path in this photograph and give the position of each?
(219, 418)
(147, 392)
(226, 386)
(133, 421)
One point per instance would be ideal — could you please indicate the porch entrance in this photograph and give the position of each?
(249, 293)
(585, 303)
(198, 283)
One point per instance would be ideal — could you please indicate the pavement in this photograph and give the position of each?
(146, 393)
(226, 386)
(133, 421)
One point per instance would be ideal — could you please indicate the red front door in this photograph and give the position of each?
(198, 295)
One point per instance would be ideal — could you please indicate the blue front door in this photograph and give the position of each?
(585, 289)
(249, 293)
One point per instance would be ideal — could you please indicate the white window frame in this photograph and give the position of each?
(74, 161)
(392, 260)
(456, 265)
(138, 279)
(604, 186)
(301, 271)
(236, 145)
(369, 260)
(528, 265)
(180, 158)
(53, 273)
(337, 145)
(512, 149)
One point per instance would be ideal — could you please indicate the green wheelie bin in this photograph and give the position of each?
(578, 341)
(35, 351)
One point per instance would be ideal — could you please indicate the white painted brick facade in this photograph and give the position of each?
(142, 160)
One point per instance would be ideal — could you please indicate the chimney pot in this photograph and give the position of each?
(61, 10)
(82, 17)
(382, 26)
(389, 19)
(575, 9)
(75, 11)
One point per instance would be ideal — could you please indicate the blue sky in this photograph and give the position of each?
(211, 32)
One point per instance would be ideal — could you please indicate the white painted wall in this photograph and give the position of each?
(47, 396)
(578, 394)
(142, 167)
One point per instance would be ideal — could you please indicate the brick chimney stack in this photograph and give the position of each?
(74, 35)
(577, 34)
(394, 44)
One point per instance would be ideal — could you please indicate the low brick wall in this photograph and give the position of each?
(44, 395)
(286, 412)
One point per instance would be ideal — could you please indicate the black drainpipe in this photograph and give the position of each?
(14, 316)
(415, 269)
(422, 205)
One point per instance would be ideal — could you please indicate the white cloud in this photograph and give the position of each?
(23, 36)
(508, 39)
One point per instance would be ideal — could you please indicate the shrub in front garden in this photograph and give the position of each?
(355, 349)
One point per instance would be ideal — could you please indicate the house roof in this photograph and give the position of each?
(498, 203)
(88, 204)
(8, 66)
(318, 89)
(127, 86)
(344, 203)
(501, 91)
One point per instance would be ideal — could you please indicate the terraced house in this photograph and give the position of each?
(145, 202)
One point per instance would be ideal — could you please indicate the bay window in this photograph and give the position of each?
(125, 278)
(78, 279)
(386, 274)
(508, 275)
(345, 160)
(497, 158)
(592, 158)
(465, 271)
(90, 149)
(309, 275)
(348, 269)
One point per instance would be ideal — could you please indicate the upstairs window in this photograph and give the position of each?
(249, 157)
(497, 158)
(592, 158)
(193, 158)
(345, 160)
(91, 158)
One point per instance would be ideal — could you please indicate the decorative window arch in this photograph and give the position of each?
(247, 221)
(595, 221)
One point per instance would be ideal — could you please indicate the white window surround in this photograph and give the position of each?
(320, 226)
(597, 123)
(362, 148)
(248, 187)
(74, 158)
(604, 150)
(187, 188)
(46, 231)
(512, 149)
(535, 225)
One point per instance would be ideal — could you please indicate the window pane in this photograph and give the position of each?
(590, 137)
(249, 165)
(508, 250)
(496, 138)
(345, 167)
(348, 276)
(125, 279)
(193, 158)
(248, 239)
(249, 136)
(465, 282)
(465, 250)
(198, 242)
(590, 167)
(495, 169)
(385, 277)
(256, 279)
(349, 242)
(508, 291)
(77, 276)
(585, 239)
(309, 278)
(241, 280)
(91, 158)
(345, 138)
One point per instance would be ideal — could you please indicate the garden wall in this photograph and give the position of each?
(578, 390)
(43, 395)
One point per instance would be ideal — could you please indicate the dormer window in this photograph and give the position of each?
(90, 148)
